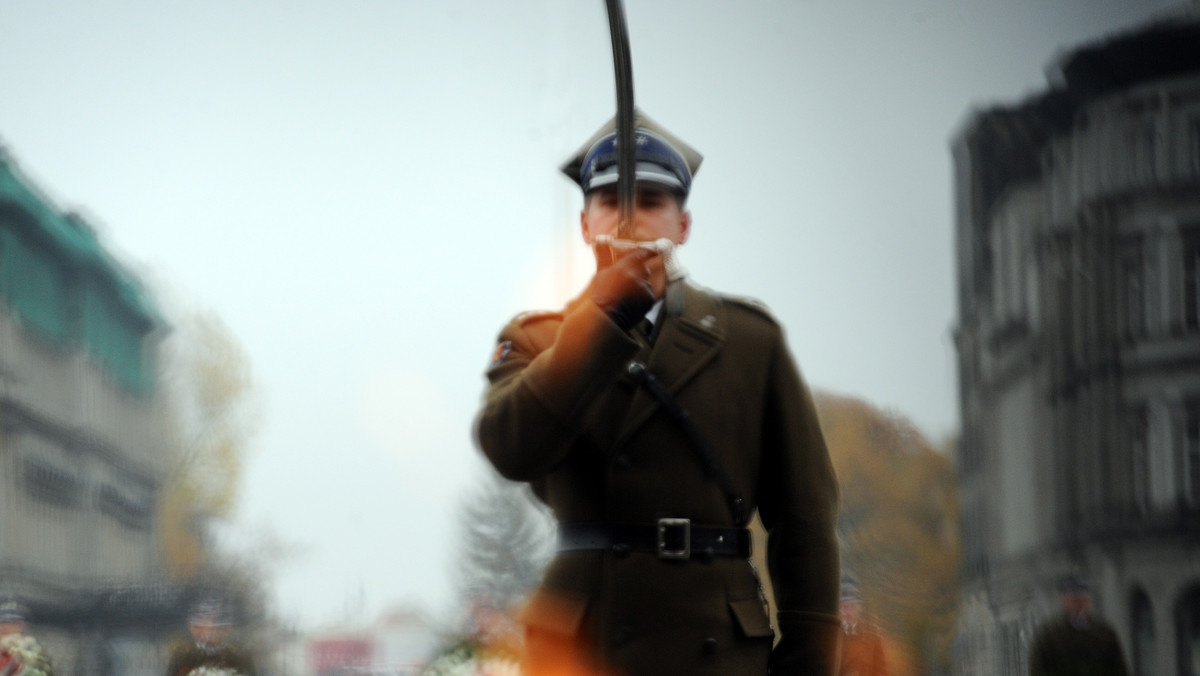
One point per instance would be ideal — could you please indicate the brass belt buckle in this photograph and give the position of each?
(674, 539)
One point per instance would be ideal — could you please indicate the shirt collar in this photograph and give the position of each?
(654, 311)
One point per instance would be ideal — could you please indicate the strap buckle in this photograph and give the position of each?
(674, 539)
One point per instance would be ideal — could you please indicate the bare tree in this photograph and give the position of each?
(506, 541)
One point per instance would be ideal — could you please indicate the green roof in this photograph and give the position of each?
(75, 239)
(58, 279)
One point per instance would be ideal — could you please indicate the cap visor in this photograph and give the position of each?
(646, 173)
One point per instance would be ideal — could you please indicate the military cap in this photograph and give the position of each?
(210, 611)
(11, 611)
(850, 593)
(661, 157)
(1073, 584)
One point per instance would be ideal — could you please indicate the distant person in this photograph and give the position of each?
(212, 650)
(20, 654)
(1076, 642)
(862, 646)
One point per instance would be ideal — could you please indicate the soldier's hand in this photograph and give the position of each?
(623, 290)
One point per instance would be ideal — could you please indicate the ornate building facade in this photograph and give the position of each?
(1078, 262)
(81, 441)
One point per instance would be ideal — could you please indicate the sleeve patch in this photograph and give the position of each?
(502, 351)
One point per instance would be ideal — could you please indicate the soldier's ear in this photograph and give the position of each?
(685, 226)
(584, 229)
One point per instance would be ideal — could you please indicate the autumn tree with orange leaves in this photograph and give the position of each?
(212, 411)
(898, 525)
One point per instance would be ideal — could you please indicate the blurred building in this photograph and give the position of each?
(1078, 246)
(340, 654)
(81, 442)
(399, 643)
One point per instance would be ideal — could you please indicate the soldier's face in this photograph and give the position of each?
(7, 628)
(1076, 603)
(204, 631)
(657, 214)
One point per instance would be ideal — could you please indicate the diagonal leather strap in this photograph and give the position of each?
(737, 504)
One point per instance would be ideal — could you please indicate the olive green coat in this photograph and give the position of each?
(562, 413)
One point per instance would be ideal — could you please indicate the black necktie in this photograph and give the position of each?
(645, 329)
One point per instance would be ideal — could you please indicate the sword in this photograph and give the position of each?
(623, 70)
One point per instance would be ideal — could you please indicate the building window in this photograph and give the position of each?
(1135, 291)
(1195, 145)
(52, 484)
(1139, 457)
(36, 286)
(1142, 140)
(1191, 454)
(131, 512)
(1191, 280)
(1150, 141)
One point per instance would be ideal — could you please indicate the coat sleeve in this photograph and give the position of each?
(538, 398)
(797, 499)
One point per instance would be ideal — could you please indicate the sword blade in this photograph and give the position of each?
(623, 70)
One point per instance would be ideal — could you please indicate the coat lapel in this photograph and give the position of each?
(692, 334)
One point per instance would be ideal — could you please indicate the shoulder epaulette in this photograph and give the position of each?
(752, 304)
(535, 316)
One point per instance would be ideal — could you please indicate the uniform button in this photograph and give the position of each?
(621, 461)
(621, 550)
(710, 645)
(621, 635)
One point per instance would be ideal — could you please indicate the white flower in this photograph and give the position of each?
(206, 670)
(498, 666)
(26, 651)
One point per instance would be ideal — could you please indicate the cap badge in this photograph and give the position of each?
(501, 353)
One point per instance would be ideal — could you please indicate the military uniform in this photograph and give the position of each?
(1076, 647)
(565, 413)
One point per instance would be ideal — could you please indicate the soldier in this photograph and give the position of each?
(212, 648)
(862, 646)
(654, 417)
(1077, 641)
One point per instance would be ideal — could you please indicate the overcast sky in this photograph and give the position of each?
(366, 190)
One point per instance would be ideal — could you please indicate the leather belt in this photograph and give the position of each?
(675, 539)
